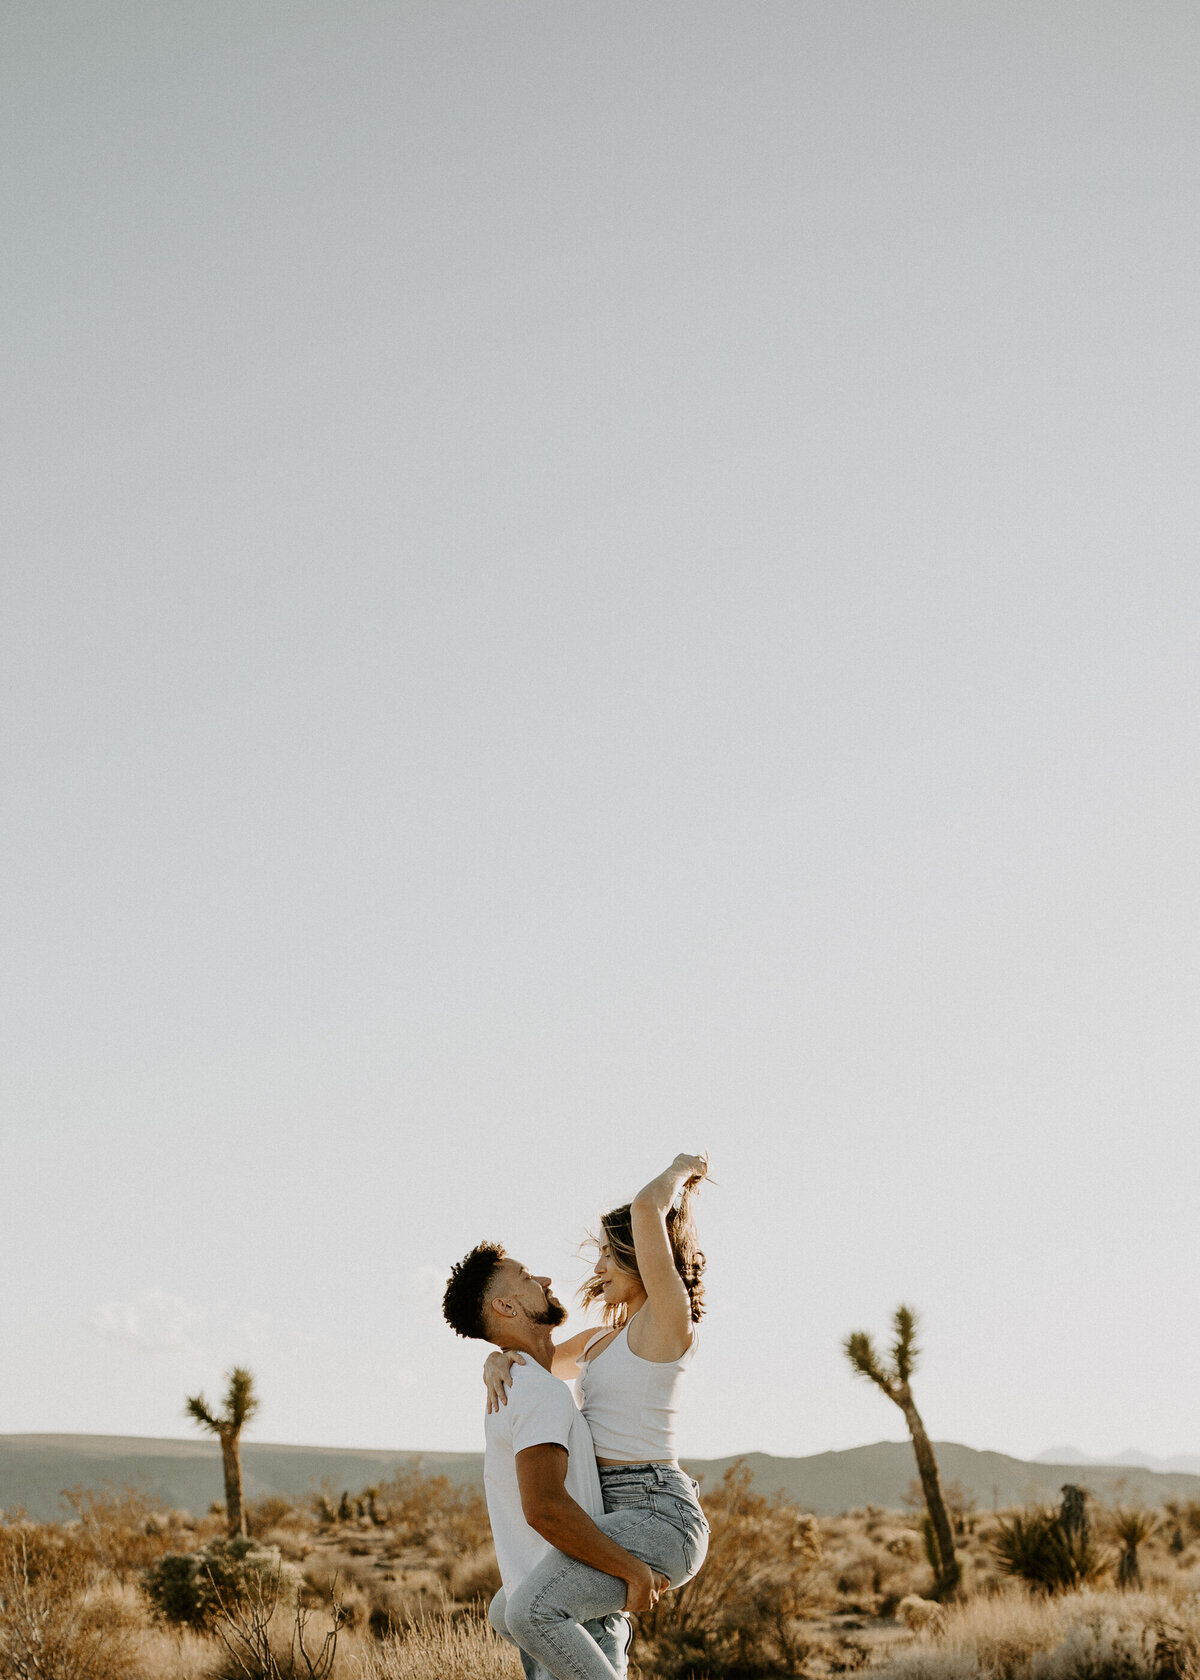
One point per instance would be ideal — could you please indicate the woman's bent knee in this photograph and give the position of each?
(519, 1612)
(498, 1615)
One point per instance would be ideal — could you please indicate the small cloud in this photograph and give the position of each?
(155, 1323)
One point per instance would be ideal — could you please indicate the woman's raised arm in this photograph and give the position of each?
(668, 1334)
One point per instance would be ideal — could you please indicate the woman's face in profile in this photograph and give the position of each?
(618, 1284)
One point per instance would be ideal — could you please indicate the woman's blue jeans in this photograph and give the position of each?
(653, 1510)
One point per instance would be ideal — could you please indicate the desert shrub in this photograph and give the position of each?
(411, 1601)
(49, 1629)
(294, 1544)
(870, 1565)
(1100, 1644)
(869, 1569)
(1187, 1514)
(124, 1532)
(190, 1588)
(272, 1511)
(446, 1517)
(372, 1600)
(743, 1610)
(329, 1573)
(900, 1542)
(356, 1607)
(177, 1591)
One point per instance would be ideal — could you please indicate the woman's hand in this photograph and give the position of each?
(661, 1192)
(644, 1587)
(691, 1168)
(497, 1375)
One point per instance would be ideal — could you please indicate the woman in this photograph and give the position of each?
(648, 1276)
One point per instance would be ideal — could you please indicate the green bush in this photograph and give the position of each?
(190, 1588)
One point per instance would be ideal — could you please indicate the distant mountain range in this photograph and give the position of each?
(1188, 1463)
(34, 1470)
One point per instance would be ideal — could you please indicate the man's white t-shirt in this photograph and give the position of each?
(540, 1409)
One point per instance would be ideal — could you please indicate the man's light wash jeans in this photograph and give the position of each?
(611, 1634)
(653, 1510)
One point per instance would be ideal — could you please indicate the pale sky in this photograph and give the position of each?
(583, 581)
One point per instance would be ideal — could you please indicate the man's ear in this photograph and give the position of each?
(502, 1306)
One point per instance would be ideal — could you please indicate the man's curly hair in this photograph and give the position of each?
(466, 1293)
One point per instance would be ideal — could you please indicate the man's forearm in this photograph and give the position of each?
(569, 1529)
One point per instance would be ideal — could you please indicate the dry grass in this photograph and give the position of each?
(1079, 1636)
(782, 1593)
(447, 1648)
(172, 1654)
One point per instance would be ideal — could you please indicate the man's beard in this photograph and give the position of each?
(552, 1314)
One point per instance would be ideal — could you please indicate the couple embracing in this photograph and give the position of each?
(591, 1514)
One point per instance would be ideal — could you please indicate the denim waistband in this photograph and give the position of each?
(659, 1474)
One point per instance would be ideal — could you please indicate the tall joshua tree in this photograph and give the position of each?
(894, 1380)
(241, 1403)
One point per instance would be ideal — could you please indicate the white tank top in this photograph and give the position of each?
(631, 1404)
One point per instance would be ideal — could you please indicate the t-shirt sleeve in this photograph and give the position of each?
(542, 1414)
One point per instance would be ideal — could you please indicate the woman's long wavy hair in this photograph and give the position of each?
(617, 1227)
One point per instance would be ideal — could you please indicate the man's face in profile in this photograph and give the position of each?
(531, 1294)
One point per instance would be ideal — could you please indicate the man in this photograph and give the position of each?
(539, 1466)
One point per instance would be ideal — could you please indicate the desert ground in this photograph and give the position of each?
(391, 1582)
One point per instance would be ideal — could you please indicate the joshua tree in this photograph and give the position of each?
(241, 1403)
(893, 1379)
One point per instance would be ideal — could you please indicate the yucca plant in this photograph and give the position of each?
(1079, 1561)
(1038, 1548)
(1132, 1526)
(1023, 1547)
